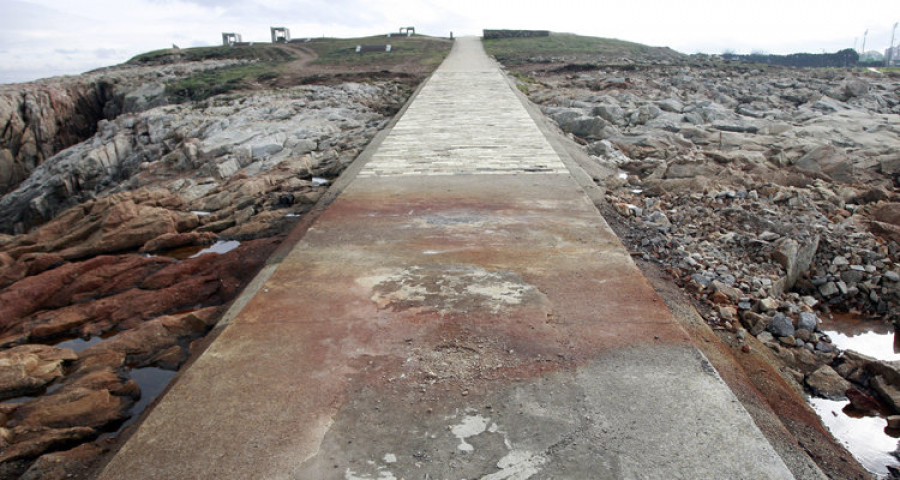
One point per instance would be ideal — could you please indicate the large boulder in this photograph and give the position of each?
(825, 382)
(795, 257)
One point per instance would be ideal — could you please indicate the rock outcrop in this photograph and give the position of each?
(104, 243)
(41, 118)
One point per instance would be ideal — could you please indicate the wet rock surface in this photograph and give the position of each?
(770, 195)
(104, 250)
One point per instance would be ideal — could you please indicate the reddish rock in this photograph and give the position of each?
(169, 241)
(28, 368)
(74, 282)
(155, 339)
(863, 402)
(105, 379)
(73, 407)
(116, 223)
(719, 298)
(100, 361)
(31, 442)
(128, 226)
(74, 463)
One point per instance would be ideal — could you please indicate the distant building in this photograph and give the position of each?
(280, 35)
(230, 39)
(892, 55)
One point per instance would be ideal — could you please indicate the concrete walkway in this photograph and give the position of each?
(460, 311)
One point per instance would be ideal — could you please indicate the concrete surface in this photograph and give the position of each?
(474, 319)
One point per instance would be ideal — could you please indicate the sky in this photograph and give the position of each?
(42, 38)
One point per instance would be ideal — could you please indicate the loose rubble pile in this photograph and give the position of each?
(102, 248)
(770, 194)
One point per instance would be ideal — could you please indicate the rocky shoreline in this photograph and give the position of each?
(124, 248)
(768, 194)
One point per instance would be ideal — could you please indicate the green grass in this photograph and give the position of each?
(266, 63)
(419, 49)
(563, 47)
(262, 52)
(205, 84)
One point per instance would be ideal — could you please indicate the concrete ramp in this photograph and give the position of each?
(460, 311)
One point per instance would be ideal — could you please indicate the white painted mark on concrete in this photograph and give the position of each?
(449, 288)
(517, 465)
(383, 475)
(471, 426)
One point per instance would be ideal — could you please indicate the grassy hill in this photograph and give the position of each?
(318, 60)
(561, 48)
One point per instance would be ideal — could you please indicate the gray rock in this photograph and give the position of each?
(781, 326)
(670, 105)
(765, 337)
(796, 258)
(754, 322)
(807, 321)
(892, 276)
(852, 276)
(828, 289)
(768, 304)
(825, 347)
(827, 383)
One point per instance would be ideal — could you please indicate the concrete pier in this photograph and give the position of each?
(461, 310)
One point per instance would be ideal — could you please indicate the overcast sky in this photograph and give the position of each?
(40, 38)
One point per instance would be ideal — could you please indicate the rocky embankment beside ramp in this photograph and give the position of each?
(108, 263)
(769, 194)
(39, 119)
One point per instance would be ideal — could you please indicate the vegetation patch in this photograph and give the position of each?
(423, 50)
(570, 48)
(205, 84)
(262, 52)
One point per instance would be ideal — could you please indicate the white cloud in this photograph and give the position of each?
(49, 37)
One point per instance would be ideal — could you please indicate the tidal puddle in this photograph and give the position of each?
(220, 247)
(864, 437)
(871, 337)
(152, 381)
(78, 344)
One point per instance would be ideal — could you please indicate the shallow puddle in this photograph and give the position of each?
(874, 338)
(152, 381)
(220, 247)
(864, 437)
(78, 344)
(183, 253)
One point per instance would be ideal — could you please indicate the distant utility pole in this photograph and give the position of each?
(889, 58)
(863, 52)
